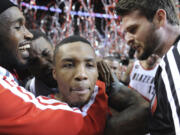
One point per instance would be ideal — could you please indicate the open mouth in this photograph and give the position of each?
(24, 47)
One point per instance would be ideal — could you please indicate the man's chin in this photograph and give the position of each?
(143, 56)
(78, 103)
(21, 63)
(80, 99)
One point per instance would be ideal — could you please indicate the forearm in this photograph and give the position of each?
(133, 113)
(131, 121)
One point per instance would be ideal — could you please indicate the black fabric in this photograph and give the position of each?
(5, 4)
(176, 41)
(161, 122)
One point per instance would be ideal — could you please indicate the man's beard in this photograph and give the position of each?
(151, 43)
(9, 60)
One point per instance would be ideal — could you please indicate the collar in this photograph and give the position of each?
(177, 39)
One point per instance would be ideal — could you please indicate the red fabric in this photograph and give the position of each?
(97, 113)
(23, 114)
(20, 117)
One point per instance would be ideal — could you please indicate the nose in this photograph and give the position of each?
(28, 34)
(129, 39)
(81, 74)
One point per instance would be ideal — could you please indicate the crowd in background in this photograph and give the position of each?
(100, 25)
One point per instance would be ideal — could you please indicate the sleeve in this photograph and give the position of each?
(22, 113)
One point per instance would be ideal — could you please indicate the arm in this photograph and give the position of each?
(131, 110)
(133, 113)
(41, 115)
(126, 77)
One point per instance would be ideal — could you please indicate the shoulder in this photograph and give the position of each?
(6, 74)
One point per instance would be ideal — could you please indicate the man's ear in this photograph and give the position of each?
(54, 73)
(160, 18)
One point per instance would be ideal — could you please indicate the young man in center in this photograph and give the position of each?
(75, 71)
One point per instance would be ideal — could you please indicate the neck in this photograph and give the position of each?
(168, 39)
(58, 97)
(146, 65)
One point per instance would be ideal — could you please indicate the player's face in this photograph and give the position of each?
(42, 69)
(140, 34)
(75, 72)
(14, 36)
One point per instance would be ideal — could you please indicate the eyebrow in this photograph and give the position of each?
(67, 59)
(72, 59)
(90, 60)
(19, 20)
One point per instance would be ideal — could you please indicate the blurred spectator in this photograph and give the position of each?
(113, 63)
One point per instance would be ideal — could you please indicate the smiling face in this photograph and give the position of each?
(14, 37)
(140, 34)
(42, 68)
(76, 72)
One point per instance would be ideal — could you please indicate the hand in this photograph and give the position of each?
(107, 76)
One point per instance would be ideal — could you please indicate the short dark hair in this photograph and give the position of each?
(70, 39)
(148, 8)
(37, 34)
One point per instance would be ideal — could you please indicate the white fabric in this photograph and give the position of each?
(142, 80)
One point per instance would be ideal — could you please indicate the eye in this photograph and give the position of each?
(90, 65)
(17, 27)
(132, 30)
(68, 65)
